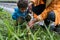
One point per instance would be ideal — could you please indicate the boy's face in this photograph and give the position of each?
(22, 9)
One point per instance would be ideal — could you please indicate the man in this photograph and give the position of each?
(51, 13)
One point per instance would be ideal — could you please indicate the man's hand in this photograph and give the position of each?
(31, 23)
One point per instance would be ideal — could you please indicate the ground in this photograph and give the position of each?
(10, 32)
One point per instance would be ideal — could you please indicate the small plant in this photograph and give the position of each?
(1, 9)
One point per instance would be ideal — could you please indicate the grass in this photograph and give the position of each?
(10, 32)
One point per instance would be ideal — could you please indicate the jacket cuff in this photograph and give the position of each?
(39, 18)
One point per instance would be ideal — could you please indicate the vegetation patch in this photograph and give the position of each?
(10, 32)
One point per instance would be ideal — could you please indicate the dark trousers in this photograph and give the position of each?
(50, 17)
(21, 20)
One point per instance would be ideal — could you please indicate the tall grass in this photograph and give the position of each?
(10, 32)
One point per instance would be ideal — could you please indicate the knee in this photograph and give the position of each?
(51, 16)
(20, 20)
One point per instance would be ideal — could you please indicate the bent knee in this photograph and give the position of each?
(51, 16)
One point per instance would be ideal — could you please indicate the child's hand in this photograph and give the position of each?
(31, 23)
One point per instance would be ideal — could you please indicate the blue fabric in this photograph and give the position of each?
(50, 17)
(17, 13)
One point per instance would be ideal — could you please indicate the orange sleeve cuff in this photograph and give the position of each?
(35, 16)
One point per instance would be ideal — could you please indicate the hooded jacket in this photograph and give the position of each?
(50, 5)
(55, 6)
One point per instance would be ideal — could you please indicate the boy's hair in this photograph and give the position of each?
(22, 4)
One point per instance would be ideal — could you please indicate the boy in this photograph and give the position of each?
(21, 12)
(51, 13)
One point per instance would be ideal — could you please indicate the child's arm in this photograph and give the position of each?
(14, 16)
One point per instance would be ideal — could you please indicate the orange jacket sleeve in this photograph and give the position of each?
(43, 15)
